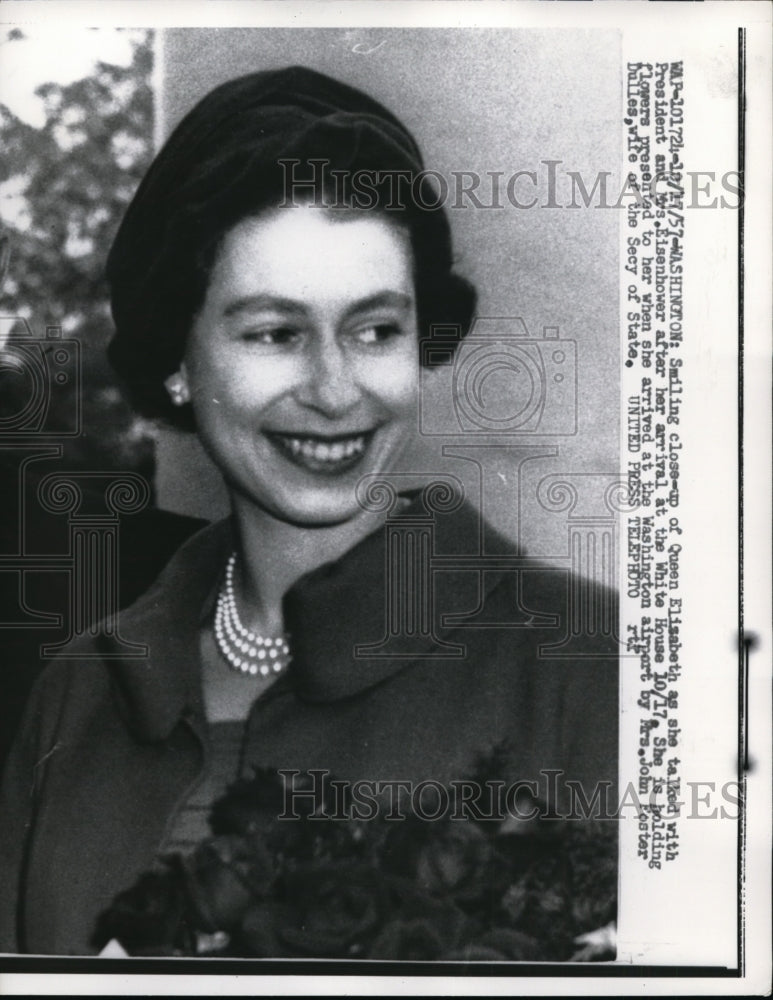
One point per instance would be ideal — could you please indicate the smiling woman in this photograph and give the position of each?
(302, 365)
(284, 328)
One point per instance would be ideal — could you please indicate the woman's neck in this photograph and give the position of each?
(273, 555)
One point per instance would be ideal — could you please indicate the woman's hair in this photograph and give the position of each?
(265, 140)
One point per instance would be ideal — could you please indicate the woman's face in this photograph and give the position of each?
(302, 364)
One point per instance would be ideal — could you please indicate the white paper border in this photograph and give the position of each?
(675, 19)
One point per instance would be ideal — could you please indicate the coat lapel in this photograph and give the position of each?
(337, 616)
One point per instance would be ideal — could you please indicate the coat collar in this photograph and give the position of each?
(337, 616)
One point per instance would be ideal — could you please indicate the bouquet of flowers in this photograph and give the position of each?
(409, 889)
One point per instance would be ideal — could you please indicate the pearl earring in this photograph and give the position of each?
(177, 389)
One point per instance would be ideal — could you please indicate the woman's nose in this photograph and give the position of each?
(331, 385)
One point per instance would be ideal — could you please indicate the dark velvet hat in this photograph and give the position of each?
(229, 157)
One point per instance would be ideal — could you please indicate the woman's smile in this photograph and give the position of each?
(303, 363)
(330, 455)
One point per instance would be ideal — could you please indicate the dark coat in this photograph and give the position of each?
(110, 746)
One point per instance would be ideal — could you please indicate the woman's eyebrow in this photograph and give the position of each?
(381, 300)
(253, 303)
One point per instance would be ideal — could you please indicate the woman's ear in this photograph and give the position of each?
(177, 386)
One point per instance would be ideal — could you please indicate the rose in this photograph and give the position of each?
(297, 829)
(222, 877)
(526, 844)
(500, 944)
(256, 938)
(330, 909)
(593, 853)
(422, 927)
(453, 857)
(149, 918)
(317, 840)
(409, 940)
(458, 861)
(253, 806)
(318, 886)
(250, 806)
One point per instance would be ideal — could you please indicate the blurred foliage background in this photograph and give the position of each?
(63, 189)
(64, 185)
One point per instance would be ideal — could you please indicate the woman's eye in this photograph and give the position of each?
(275, 336)
(378, 333)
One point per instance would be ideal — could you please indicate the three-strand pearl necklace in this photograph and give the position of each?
(244, 650)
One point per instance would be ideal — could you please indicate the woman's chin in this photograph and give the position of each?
(321, 508)
(322, 516)
(294, 490)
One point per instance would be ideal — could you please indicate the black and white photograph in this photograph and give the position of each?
(360, 378)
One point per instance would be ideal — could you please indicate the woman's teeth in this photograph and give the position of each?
(321, 451)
